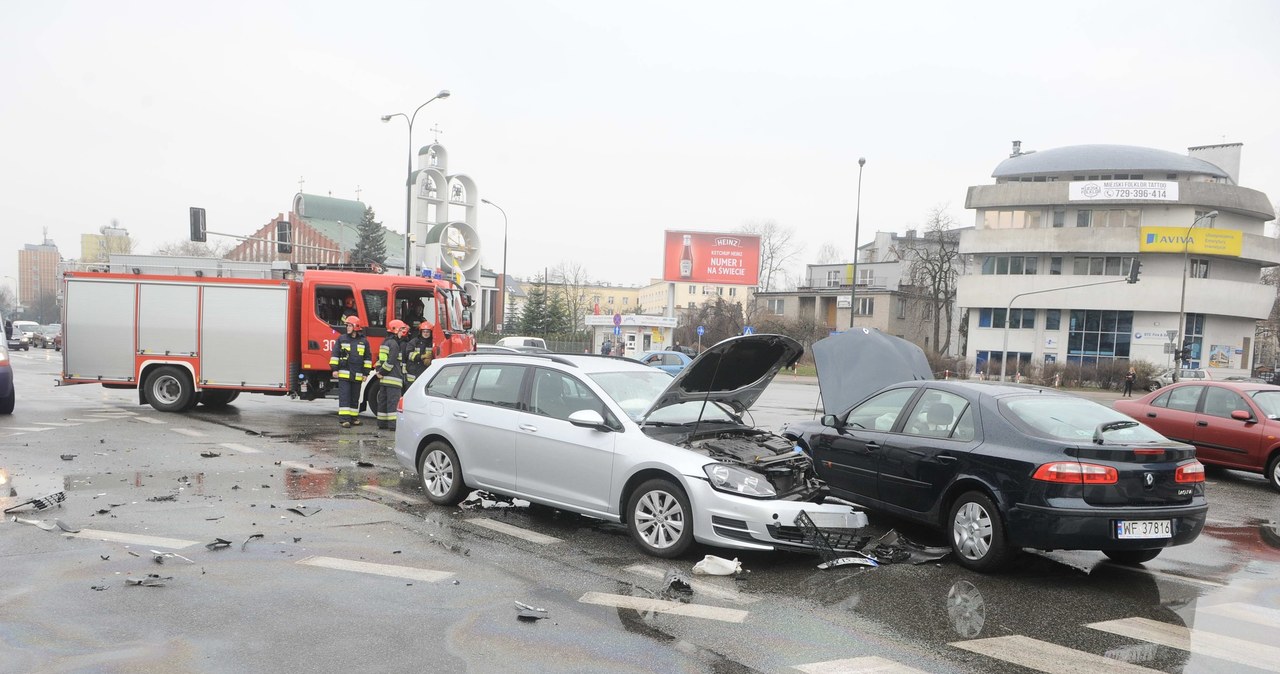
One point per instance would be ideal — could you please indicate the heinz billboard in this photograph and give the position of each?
(706, 257)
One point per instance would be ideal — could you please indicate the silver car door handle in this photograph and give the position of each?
(460, 415)
(529, 427)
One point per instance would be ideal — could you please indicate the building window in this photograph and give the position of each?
(691, 305)
(902, 308)
(626, 300)
(1199, 268)
(776, 306)
(833, 279)
(866, 306)
(1059, 217)
(1117, 217)
(693, 290)
(865, 276)
(733, 292)
(1055, 266)
(1019, 319)
(1052, 319)
(1005, 264)
(1112, 265)
(1193, 336)
(988, 363)
(997, 219)
(1095, 337)
(1084, 218)
(706, 290)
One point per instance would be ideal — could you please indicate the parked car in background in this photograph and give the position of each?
(523, 341)
(671, 458)
(46, 336)
(8, 395)
(1165, 378)
(1232, 424)
(667, 361)
(18, 340)
(998, 467)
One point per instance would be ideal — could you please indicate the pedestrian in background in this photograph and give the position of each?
(391, 360)
(606, 348)
(1129, 377)
(349, 362)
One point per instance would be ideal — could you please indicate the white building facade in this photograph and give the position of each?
(1057, 233)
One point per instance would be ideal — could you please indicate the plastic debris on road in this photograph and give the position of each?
(218, 544)
(54, 499)
(529, 613)
(305, 511)
(717, 566)
(676, 581)
(150, 580)
(245, 544)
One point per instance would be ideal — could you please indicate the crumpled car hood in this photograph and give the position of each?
(856, 363)
(735, 372)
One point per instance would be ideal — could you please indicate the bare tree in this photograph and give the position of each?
(778, 248)
(570, 281)
(184, 248)
(830, 253)
(934, 265)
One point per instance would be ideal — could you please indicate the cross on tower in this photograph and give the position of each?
(357, 193)
(300, 181)
(435, 128)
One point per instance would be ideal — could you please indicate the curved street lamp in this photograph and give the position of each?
(857, 222)
(502, 291)
(408, 178)
(1182, 303)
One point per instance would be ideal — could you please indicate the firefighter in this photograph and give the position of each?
(350, 361)
(391, 357)
(421, 350)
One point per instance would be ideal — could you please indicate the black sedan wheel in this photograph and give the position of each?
(1131, 556)
(977, 534)
(441, 474)
(660, 519)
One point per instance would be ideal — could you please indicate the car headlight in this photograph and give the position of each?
(735, 480)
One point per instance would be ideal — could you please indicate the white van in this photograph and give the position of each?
(523, 341)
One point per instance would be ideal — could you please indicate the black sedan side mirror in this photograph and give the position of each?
(1242, 415)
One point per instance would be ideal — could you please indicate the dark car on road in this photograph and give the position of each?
(7, 393)
(998, 467)
(1232, 424)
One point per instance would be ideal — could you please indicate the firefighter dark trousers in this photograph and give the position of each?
(388, 400)
(348, 399)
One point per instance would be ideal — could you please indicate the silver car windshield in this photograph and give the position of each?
(1076, 419)
(1269, 401)
(635, 392)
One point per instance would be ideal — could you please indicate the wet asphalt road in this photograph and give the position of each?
(376, 580)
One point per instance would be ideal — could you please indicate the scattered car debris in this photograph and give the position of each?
(245, 544)
(105, 558)
(210, 455)
(305, 511)
(133, 553)
(159, 557)
(676, 581)
(150, 580)
(214, 519)
(167, 497)
(98, 588)
(844, 548)
(717, 566)
(218, 544)
(36, 523)
(894, 548)
(66, 527)
(68, 457)
(364, 464)
(529, 613)
(41, 503)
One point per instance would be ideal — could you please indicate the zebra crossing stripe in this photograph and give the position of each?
(1259, 615)
(407, 572)
(132, 539)
(1200, 642)
(870, 664)
(699, 586)
(660, 606)
(237, 447)
(504, 528)
(28, 429)
(392, 494)
(189, 432)
(149, 420)
(54, 424)
(1043, 656)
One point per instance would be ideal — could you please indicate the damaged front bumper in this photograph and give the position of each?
(729, 521)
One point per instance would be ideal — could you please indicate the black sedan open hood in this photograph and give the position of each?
(735, 371)
(856, 363)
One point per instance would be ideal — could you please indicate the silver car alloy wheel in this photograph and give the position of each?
(659, 519)
(437, 473)
(972, 531)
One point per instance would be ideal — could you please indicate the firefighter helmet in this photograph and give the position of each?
(353, 321)
(425, 325)
(398, 327)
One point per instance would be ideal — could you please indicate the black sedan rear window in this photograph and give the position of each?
(1074, 419)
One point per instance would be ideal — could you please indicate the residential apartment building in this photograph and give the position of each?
(38, 281)
(1058, 232)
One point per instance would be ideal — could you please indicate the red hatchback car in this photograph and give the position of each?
(1232, 424)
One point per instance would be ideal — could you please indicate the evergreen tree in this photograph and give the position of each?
(371, 246)
(533, 318)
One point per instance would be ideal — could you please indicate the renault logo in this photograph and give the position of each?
(1149, 479)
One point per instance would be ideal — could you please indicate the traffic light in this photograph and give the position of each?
(1135, 268)
(1184, 355)
(197, 224)
(283, 245)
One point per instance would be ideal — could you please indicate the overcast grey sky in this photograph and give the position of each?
(598, 125)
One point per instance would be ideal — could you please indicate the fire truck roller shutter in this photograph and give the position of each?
(98, 338)
(244, 335)
(168, 317)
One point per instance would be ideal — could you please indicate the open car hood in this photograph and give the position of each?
(856, 363)
(735, 372)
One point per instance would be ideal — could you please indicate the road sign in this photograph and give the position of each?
(617, 330)
(701, 330)
(748, 330)
(617, 319)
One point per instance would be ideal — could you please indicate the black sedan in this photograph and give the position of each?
(1001, 467)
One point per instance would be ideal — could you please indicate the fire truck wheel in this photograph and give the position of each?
(217, 398)
(169, 389)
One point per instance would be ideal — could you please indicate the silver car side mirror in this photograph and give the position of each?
(589, 419)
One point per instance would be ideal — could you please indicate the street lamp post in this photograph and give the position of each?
(857, 222)
(502, 294)
(408, 177)
(1182, 302)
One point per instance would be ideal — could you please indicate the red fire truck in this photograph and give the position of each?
(184, 339)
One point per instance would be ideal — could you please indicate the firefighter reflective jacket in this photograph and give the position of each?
(391, 361)
(420, 354)
(351, 358)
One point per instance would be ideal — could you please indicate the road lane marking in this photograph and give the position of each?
(1043, 656)
(729, 615)
(54, 424)
(189, 432)
(86, 421)
(299, 466)
(1259, 615)
(1200, 642)
(132, 539)
(392, 494)
(504, 528)
(236, 447)
(700, 587)
(28, 429)
(148, 420)
(407, 572)
(870, 664)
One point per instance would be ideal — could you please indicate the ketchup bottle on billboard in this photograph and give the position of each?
(686, 257)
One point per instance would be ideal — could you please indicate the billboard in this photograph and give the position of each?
(1199, 240)
(707, 257)
(1123, 190)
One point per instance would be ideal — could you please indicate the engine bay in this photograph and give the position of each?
(787, 468)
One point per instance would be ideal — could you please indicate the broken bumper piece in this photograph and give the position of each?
(737, 522)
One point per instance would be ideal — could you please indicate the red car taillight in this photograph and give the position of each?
(1074, 472)
(1189, 472)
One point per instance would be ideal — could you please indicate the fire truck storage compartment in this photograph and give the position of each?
(98, 341)
(168, 317)
(245, 336)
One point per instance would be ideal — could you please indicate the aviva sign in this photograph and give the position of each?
(1202, 241)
